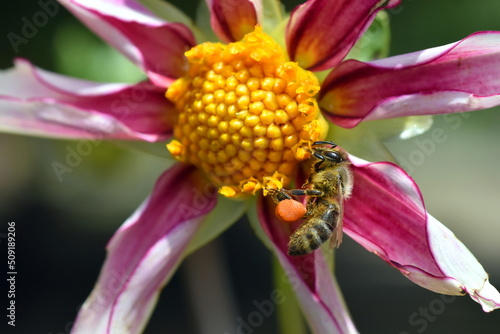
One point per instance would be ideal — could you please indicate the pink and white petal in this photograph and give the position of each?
(232, 19)
(457, 77)
(310, 276)
(321, 33)
(37, 102)
(386, 215)
(154, 45)
(144, 253)
(445, 247)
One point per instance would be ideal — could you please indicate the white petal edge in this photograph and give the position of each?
(53, 120)
(129, 10)
(25, 81)
(166, 253)
(473, 278)
(483, 40)
(431, 104)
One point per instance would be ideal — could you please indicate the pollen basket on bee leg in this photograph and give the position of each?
(290, 210)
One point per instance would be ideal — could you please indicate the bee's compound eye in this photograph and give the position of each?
(290, 210)
(333, 156)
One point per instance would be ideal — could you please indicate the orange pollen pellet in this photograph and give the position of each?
(243, 110)
(290, 210)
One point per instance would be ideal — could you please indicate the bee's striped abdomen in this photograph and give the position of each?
(315, 230)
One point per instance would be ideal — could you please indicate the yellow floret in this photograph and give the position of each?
(245, 114)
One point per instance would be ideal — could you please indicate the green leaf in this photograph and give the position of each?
(375, 42)
(272, 15)
(171, 13)
(168, 12)
(203, 23)
(79, 53)
(367, 139)
(156, 149)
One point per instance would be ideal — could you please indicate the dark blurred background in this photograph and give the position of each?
(62, 227)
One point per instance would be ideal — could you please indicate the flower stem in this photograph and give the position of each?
(214, 308)
(290, 319)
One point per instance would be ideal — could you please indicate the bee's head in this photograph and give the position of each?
(332, 156)
(328, 155)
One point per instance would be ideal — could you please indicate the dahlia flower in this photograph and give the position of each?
(239, 115)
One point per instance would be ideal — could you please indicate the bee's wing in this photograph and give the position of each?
(345, 185)
(337, 234)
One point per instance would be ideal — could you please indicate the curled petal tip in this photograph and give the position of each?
(320, 33)
(487, 296)
(232, 19)
(154, 45)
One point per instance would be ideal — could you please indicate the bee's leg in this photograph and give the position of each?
(324, 142)
(317, 143)
(317, 166)
(279, 195)
(306, 192)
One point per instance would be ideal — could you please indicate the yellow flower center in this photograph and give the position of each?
(245, 114)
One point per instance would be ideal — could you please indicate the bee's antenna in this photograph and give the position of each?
(325, 142)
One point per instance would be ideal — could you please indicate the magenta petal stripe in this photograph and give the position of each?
(154, 45)
(386, 210)
(232, 19)
(144, 253)
(310, 277)
(320, 33)
(458, 77)
(386, 215)
(39, 102)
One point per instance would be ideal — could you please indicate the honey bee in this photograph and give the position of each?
(329, 183)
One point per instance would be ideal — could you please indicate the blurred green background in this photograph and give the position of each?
(63, 227)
